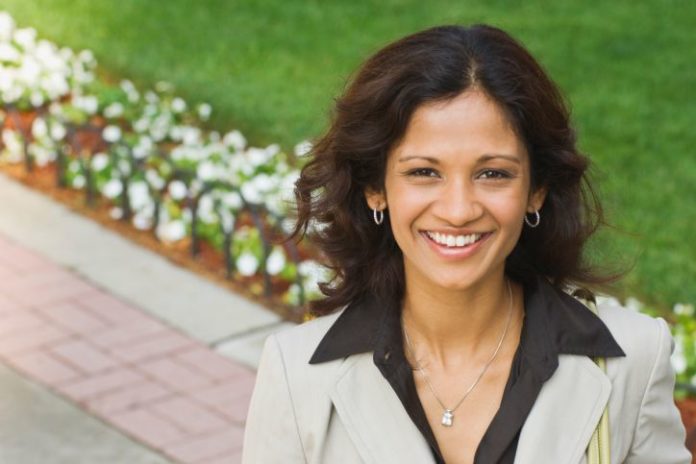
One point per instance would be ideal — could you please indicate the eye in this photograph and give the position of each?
(494, 174)
(422, 172)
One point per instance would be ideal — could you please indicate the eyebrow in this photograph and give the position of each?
(482, 158)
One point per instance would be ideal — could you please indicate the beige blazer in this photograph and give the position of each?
(345, 412)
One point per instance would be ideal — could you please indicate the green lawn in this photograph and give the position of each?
(272, 67)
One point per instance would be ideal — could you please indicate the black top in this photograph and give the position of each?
(554, 323)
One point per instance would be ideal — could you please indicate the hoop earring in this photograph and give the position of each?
(536, 222)
(378, 215)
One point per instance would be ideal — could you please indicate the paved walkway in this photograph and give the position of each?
(173, 372)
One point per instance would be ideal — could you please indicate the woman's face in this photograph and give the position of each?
(457, 188)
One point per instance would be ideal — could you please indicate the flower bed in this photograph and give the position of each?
(144, 157)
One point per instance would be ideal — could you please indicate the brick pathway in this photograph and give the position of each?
(146, 379)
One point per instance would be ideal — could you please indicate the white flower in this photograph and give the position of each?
(143, 148)
(232, 200)
(116, 213)
(272, 150)
(7, 26)
(87, 57)
(287, 224)
(206, 211)
(142, 220)
(176, 133)
(190, 135)
(112, 188)
(683, 309)
(160, 126)
(130, 91)
(264, 183)
(114, 110)
(36, 99)
(8, 53)
(257, 156)
(39, 129)
(227, 220)
(171, 231)
(678, 359)
(78, 182)
(154, 179)
(276, 261)
(177, 190)
(247, 264)
(303, 148)
(292, 296)
(58, 131)
(127, 86)
(141, 125)
(251, 193)
(138, 194)
(313, 273)
(89, 103)
(25, 37)
(42, 154)
(204, 111)
(234, 139)
(55, 85)
(29, 72)
(112, 134)
(206, 171)
(151, 97)
(124, 167)
(100, 161)
(178, 105)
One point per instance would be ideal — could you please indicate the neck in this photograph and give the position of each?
(451, 327)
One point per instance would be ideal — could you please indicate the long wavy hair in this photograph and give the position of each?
(371, 117)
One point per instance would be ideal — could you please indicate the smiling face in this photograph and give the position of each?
(457, 188)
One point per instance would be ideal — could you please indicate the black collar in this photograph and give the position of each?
(555, 323)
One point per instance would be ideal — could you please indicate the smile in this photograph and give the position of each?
(453, 241)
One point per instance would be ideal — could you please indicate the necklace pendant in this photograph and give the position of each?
(447, 418)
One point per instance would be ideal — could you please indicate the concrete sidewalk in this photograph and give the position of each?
(112, 338)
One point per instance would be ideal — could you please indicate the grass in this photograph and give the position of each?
(272, 67)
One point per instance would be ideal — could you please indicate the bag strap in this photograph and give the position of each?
(599, 449)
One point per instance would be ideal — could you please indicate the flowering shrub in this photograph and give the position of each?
(683, 325)
(146, 153)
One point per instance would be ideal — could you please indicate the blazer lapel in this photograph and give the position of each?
(374, 417)
(566, 412)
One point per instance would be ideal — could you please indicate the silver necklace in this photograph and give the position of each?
(448, 413)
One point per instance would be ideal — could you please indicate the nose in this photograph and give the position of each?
(457, 203)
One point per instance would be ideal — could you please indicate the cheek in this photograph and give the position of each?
(508, 210)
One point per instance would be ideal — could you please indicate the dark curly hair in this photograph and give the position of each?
(372, 116)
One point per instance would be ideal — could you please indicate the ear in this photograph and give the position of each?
(536, 199)
(375, 199)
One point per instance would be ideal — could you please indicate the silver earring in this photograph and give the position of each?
(536, 222)
(378, 216)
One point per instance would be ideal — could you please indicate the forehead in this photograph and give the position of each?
(469, 124)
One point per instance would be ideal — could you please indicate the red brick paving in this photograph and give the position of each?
(143, 377)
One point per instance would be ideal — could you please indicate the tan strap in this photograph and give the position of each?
(599, 449)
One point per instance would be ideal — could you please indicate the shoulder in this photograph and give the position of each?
(290, 350)
(642, 337)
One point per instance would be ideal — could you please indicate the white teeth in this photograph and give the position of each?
(453, 240)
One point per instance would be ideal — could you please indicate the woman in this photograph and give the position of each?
(450, 199)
